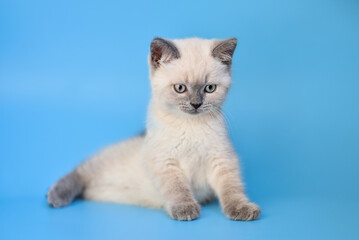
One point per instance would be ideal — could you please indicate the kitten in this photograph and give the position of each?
(185, 157)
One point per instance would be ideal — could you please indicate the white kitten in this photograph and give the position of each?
(185, 158)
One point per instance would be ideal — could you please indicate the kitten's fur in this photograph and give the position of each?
(185, 158)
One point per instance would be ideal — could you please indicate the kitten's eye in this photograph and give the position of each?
(210, 88)
(180, 88)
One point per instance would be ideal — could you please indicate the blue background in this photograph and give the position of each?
(74, 78)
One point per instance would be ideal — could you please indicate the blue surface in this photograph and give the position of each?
(74, 78)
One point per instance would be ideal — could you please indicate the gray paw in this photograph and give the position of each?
(65, 190)
(242, 211)
(58, 197)
(186, 211)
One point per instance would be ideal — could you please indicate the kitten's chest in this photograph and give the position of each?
(192, 150)
(191, 145)
(193, 154)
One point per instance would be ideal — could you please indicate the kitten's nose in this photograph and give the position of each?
(196, 105)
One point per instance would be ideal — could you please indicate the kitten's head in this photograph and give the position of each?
(191, 76)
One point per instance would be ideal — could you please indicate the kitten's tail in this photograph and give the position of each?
(65, 190)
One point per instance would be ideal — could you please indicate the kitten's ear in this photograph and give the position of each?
(162, 51)
(224, 49)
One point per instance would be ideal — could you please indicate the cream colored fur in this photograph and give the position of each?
(183, 159)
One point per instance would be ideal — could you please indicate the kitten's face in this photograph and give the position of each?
(191, 76)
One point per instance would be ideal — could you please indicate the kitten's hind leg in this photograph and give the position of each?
(64, 191)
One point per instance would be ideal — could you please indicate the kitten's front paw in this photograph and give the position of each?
(186, 211)
(242, 211)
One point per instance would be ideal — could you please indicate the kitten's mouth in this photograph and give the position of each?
(192, 111)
